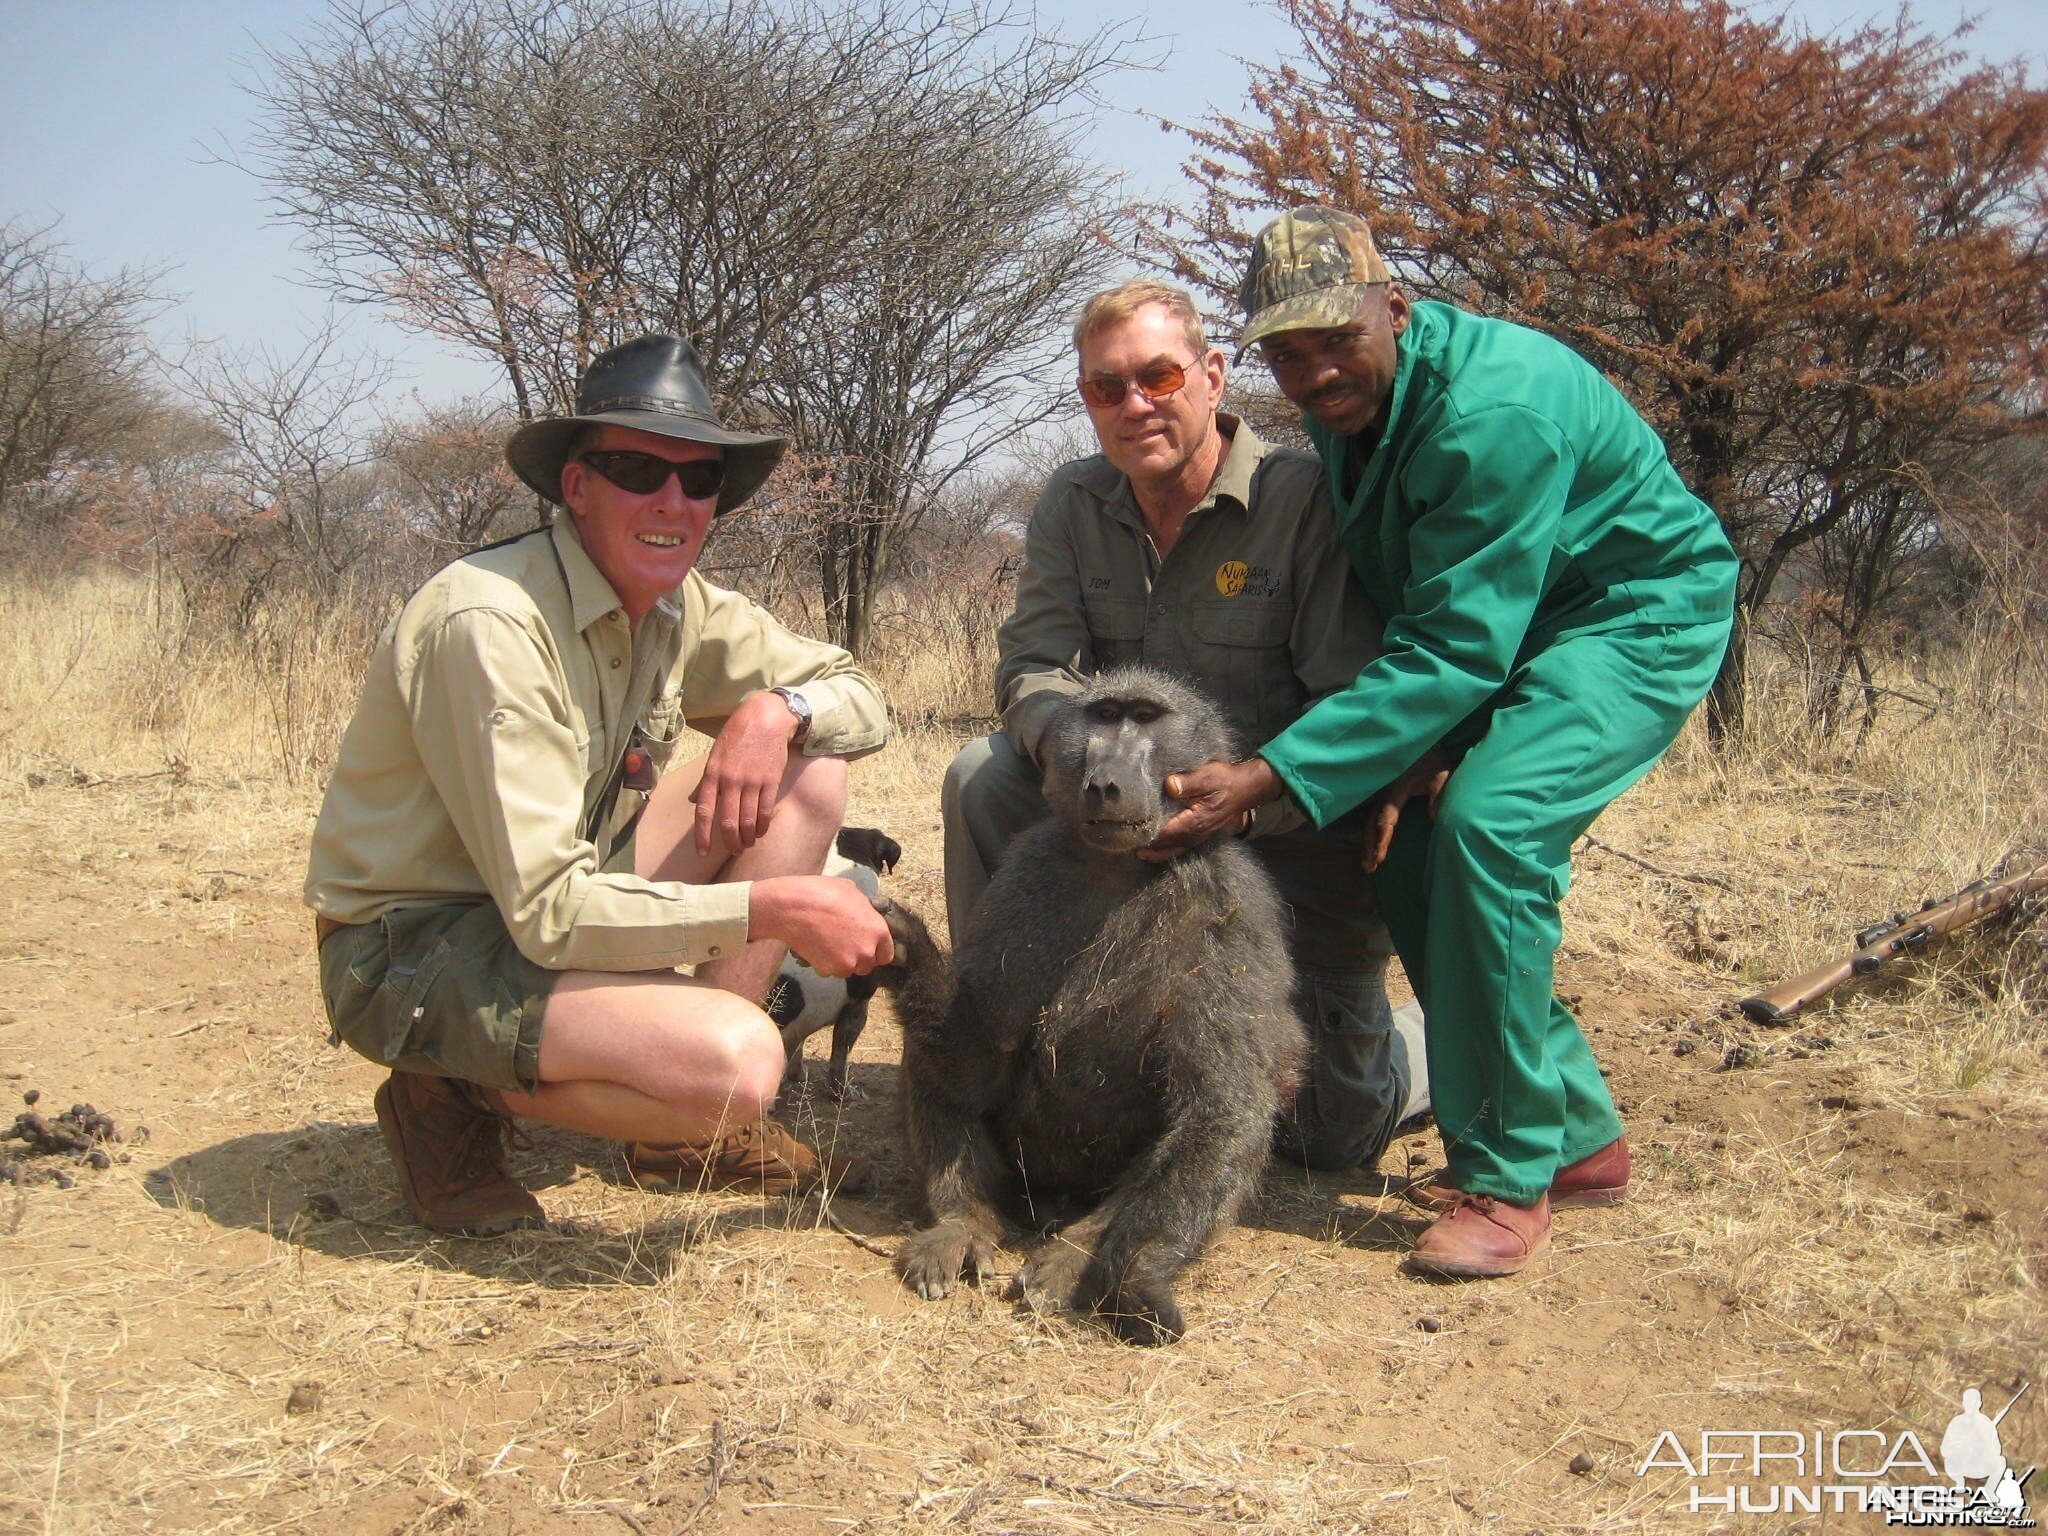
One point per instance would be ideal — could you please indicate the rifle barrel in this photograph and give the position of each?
(1776, 1005)
(2008, 1407)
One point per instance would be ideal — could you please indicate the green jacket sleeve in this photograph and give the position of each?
(1484, 497)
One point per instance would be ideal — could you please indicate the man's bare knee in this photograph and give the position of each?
(691, 1046)
(750, 1060)
(816, 789)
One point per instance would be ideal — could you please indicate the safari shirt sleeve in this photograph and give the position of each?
(1043, 647)
(1490, 490)
(733, 647)
(489, 708)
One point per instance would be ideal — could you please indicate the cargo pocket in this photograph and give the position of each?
(418, 955)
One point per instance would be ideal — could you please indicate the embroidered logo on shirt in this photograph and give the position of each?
(1234, 577)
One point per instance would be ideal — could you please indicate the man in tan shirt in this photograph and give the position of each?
(1190, 545)
(507, 870)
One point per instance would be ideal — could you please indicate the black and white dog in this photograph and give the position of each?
(802, 1002)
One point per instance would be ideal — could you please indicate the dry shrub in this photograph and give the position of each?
(106, 672)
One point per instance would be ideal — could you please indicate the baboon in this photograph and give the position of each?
(1113, 1037)
(801, 1002)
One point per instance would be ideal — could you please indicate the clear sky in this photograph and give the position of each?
(115, 115)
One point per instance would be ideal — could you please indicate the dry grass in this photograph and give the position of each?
(1845, 1230)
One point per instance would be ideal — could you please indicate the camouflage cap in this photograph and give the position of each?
(1309, 269)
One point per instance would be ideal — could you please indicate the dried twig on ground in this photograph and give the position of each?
(1642, 863)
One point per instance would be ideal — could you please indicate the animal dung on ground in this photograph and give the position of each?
(55, 1145)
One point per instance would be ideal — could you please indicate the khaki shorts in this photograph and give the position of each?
(440, 990)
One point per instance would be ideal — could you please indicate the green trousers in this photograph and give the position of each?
(1472, 898)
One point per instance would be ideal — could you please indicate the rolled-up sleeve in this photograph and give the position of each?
(491, 719)
(740, 649)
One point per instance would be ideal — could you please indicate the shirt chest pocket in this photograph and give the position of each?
(664, 725)
(1116, 629)
(1242, 655)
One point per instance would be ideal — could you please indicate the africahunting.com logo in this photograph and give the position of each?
(1791, 1471)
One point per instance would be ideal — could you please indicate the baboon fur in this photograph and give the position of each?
(1113, 1037)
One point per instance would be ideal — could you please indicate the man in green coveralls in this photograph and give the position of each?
(1556, 604)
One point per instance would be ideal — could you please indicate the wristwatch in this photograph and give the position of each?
(801, 708)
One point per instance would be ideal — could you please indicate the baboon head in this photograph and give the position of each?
(1112, 747)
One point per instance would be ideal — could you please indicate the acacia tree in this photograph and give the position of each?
(74, 358)
(298, 472)
(866, 217)
(448, 467)
(1814, 263)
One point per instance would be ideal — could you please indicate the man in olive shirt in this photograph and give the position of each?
(1190, 545)
(504, 877)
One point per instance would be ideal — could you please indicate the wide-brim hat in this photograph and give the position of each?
(1310, 269)
(651, 384)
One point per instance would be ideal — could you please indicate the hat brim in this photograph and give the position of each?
(1321, 310)
(538, 450)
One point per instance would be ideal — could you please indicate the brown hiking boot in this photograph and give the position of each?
(763, 1158)
(446, 1138)
(1481, 1238)
(1598, 1179)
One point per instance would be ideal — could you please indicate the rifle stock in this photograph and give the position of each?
(1887, 941)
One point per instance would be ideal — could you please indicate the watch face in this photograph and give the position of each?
(798, 706)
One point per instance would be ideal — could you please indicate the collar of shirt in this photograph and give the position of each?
(1233, 477)
(591, 596)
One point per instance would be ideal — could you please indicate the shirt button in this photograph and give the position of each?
(615, 663)
(714, 951)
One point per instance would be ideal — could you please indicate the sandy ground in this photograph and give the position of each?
(236, 1328)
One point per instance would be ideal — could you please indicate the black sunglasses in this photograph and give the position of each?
(645, 473)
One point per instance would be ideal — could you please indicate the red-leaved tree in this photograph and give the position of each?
(1816, 264)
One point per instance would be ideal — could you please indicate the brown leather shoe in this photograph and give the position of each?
(1480, 1238)
(1598, 1179)
(446, 1138)
(764, 1158)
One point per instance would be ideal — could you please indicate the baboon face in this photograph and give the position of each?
(1112, 750)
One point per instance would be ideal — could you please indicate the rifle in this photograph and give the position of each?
(2008, 1407)
(1887, 941)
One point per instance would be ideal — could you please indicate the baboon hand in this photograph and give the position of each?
(906, 928)
(932, 1260)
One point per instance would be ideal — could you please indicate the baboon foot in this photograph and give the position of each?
(932, 1260)
(1137, 1307)
(1051, 1276)
(1143, 1313)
